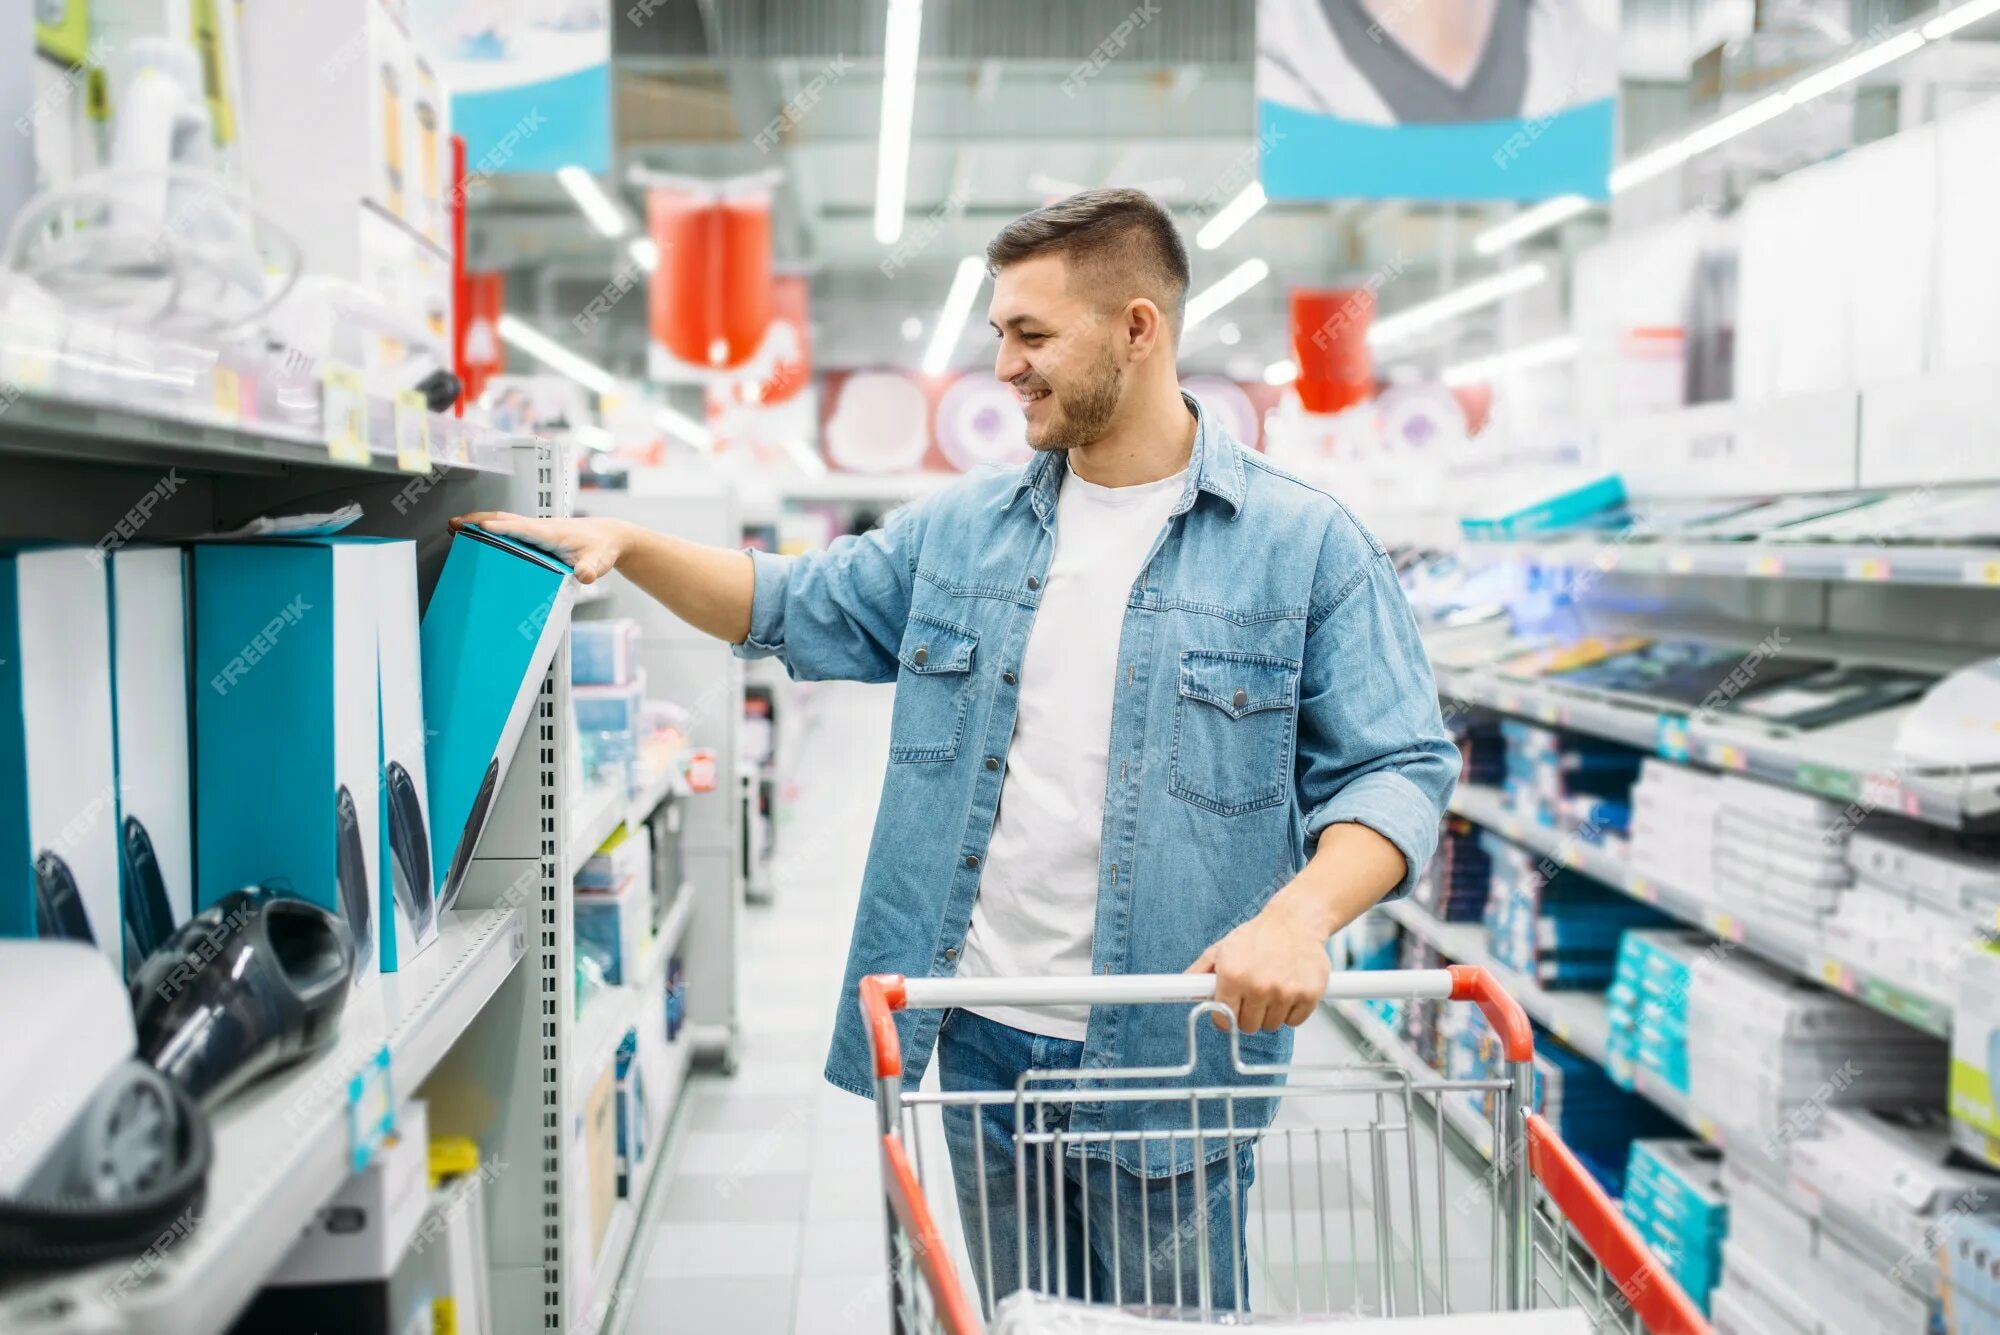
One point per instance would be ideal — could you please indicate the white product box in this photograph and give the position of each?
(619, 923)
(149, 648)
(408, 890)
(362, 1233)
(1892, 1168)
(626, 856)
(1975, 1056)
(58, 775)
(1926, 863)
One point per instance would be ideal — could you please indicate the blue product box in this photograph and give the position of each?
(288, 727)
(604, 653)
(632, 1113)
(1559, 511)
(58, 776)
(490, 631)
(613, 709)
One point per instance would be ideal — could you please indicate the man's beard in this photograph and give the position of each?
(1084, 412)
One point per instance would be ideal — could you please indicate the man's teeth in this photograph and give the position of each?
(1033, 395)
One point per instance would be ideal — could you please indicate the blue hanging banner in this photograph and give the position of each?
(1380, 99)
(530, 85)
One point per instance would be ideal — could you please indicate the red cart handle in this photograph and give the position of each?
(1470, 982)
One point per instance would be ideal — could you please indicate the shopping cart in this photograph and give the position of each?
(1548, 1235)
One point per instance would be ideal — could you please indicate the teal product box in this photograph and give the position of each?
(155, 825)
(494, 622)
(1556, 512)
(58, 777)
(407, 881)
(287, 727)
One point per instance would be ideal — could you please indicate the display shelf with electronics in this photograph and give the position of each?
(1796, 949)
(1474, 1128)
(283, 1147)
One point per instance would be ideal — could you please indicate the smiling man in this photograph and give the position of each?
(1160, 707)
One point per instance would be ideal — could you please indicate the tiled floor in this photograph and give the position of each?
(770, 1220)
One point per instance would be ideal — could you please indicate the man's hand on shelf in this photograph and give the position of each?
(591, 547)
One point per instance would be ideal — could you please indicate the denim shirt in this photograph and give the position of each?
(1271, 684)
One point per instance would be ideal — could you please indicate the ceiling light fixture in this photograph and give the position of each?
(601, 209)
(1562, 348)
(1225, 290)
(957, 310)
(555, 356)
(1282, 372)
(1484, 292)
(679, 424)
(1231, 216)
(645, 252)
(1847, 71)
(899, 104)
(1528, 222)
(1953, 19)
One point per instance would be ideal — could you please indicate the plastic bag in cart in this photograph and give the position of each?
(1027, 1313)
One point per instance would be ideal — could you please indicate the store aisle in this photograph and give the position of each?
(768, 1220)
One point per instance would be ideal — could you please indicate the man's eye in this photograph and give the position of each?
(1033, 338)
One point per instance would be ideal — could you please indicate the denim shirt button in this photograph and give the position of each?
(923, 656)
(1009, 678)
(992, 763)
(972, 859)
(1033, 584)
(950, 953)
(1239, 700)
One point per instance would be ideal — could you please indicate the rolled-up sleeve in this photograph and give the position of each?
(837, 614)
(1372, 746)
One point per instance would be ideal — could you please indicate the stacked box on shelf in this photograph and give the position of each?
(1558, 927)
(1784, 1272)
(1896, 1170)
(1482, 749)
(1768, 1053)
(1455, 884)
(1674, 814)
(1674, 1197)
(1919, 896)
(609, 691)
(1571, 782)
(1780, 854)
(1420, 1016)
(1647, 1005)
(1971, 1259)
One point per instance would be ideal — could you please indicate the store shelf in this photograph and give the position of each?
(1872, 563)
(281, 1148)
(49, 426)
(609, 1013)
(1823, 762)
(1804, 954)
(1577, 1018)
(616, 1252)
(599, 811)
(1459, 1114)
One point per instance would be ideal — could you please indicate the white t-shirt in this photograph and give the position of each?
(1037, 905)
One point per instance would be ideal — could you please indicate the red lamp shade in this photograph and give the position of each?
(710, 297)
(1330, 344)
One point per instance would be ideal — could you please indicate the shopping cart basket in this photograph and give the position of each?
(1548, 1235)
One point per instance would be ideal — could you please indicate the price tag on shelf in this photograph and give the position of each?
(1641, 888)
(1770, 565)
(1725, 925)
(1562, 1030)
(371, 1110)
(225, 395)
(1679, 563)
(1670, 737)
(413, 432)
(1548, 713)
(1837, 976)
(1708, 1130)
(1729, 757)
(1881, 790)
(344, 415)
(1829, 781)
(1868, 568)
(1982, 572)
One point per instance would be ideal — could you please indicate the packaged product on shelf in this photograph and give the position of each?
(1523, 518)
(1971, 1277)
(676, 998)
(634, 1120)
(617, 926)
(1896, 1170)
(1674, 816)
(155, 768)
(1674, 1196)
(1482, 749)
(408, 886)
(1896, 939)
(1953, 874)
(58, 766)
(453, 1235)
(490, 631)
(1556, 926)
(604, 652)
(625, 856)
(288, 726)
(1647, 1005)
(1975, 1055)
(1455, 884)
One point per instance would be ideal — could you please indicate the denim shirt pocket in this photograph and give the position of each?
(934, 689)
(1234, 729)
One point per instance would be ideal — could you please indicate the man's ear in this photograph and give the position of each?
(1145, 329)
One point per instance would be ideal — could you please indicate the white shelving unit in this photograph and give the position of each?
(1870, 563)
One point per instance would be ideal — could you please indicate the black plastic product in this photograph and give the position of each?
(410, 847)
(59, 911)
(149, 918)
(253, 982)
(468, 839)
(350, 873)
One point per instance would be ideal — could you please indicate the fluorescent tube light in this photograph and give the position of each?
(1734, 125)
(1847, 71)
(965, 286)
(1550, 350)
(555, 356)
(679, 424)
(601, 209)
(899, 102)
(1953, 19)
(1471, 297)
(1231, 216)
(1528, 222)
(1225, 290)
(1281, 372)
(645, 252)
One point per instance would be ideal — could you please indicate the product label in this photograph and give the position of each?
(413, 432)
(1670, 737)
(371, 1110)
(1679, 563)
(344, 415)
(1982, 572)
(1868, 568)
(225, 396)
(1770, 565)
(1831, 782)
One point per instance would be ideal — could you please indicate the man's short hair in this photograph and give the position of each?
(1120, 243)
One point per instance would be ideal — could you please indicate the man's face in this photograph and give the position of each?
(1061, 355)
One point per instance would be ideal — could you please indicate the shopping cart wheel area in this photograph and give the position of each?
(1349, 1206)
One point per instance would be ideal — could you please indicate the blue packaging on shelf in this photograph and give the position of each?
(1561, 510)
(676, 998)
(489, 633)
(58, 771)
(287, 726)
(609, 709)
(604, 653)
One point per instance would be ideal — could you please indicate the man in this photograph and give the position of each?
(1159, 708)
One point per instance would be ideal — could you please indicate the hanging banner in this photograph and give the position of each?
(1330, 345)
(709, 304)
(1383, 99)
(530, 84)
(767, 406)
(482, 355)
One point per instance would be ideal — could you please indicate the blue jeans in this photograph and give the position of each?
(1138, 1229)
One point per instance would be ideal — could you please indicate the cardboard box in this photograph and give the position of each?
(58, 775)
(408, 885)
(287, 726)
(363, 1232)
(494, 622)
(149, 647)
